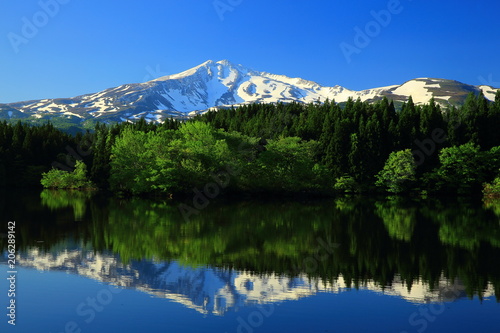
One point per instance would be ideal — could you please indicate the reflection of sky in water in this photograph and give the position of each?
(48, 301)
(211, 290)
(164, 296)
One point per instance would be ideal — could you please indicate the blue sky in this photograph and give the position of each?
(84, 46)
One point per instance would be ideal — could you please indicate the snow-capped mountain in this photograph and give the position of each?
(221, 84)
(213, 290)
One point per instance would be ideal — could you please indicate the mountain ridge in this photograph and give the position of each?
(224, 84)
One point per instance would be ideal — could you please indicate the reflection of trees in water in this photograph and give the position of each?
(57, 199)
(399, 221)
(466, 224)
(378, 240)
(493, 204)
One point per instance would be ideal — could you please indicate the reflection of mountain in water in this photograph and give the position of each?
(211, 290)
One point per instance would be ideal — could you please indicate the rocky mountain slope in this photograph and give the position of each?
(222, 84)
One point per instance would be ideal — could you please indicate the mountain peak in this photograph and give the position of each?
(225, 62)
(189, 72)
(219, 84)
(210, 63)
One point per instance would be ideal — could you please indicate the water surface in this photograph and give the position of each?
(94, 264)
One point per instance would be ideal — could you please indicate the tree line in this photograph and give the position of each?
(319, 147)
(26, 151)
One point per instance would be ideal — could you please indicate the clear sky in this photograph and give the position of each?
(84, 46)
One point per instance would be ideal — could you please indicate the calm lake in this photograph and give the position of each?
(87, 263)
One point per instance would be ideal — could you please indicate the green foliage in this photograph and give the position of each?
(169, 161)
(27, 151)
(60, 179)
(492, 190)
(130, 163)
(398, 174)
(202, 151)
(288, 148)
(462, 169)
(346, 184)
(286, 165)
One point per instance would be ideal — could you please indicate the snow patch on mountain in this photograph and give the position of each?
(418, 89)
(213, 85)
(489, 92)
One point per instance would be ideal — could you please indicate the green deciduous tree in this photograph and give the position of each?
(398, 174)
(61, 179)
(462, 169)
(287, 164)
(167, 161)
(346, 184)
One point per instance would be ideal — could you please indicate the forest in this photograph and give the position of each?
(321, 148)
